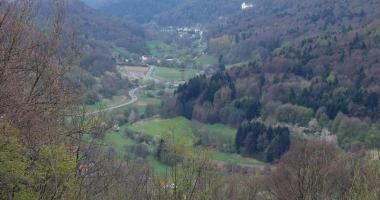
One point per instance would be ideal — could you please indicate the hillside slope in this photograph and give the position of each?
(137, 10)
(173, 12)
(98, 37)
(256, 32)
(91, 26)
(318, 78)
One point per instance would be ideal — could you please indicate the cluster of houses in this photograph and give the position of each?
(191, 32)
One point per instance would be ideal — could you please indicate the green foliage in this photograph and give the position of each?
(356, 133)
(285, 49)
(53, 172)
(232, 115)
(324, 120)
(56, 171)
(170, 153)
(14, 163)
(250, 105)
(294, 114)
(331, 79)
(264, 143)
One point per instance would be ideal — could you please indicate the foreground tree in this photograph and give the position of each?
(36, 162)
(315, 170)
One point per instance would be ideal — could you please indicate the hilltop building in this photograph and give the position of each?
(245, 6)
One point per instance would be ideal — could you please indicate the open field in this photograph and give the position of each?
(118, 141)
(223, 130)
(180, 131)
(159, 48)
(145, 98)
(137, 69)
(174, 74)
(207, 60)
(177, 129)
(234, 158)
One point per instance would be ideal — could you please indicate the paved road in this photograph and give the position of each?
(132, 94)
(133, 99)
(149, 74)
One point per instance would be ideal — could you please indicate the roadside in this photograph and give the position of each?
(133, 97)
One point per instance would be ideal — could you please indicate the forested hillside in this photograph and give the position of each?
(137, 10)
(95, 29)
(255, 33)
(97, 3)
(174, 12)
(97, 37)
(200, 12)
(331, 76)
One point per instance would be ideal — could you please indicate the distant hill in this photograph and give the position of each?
(173, 12)
(141, 11)
(200, 11)
(270, 23)
(96, 3)
(98, 34)
(99, 38)
(90, 25)
(313, 64)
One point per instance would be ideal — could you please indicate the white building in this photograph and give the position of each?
(245, 6)
(144, 58)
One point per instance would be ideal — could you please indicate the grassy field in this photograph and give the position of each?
(149, 99)
(159, 48)
(115, 139)
(207, 60)
(118, 141)
(180, 131)
(174, 74)
(223, 130)
(177, 129)
(234, 158)
(159, 167)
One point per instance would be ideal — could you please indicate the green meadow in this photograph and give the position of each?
(174, 74)
(178, 130)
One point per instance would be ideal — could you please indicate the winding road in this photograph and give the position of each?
(149, 74)
(132, 94)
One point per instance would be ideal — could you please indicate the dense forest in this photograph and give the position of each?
(331, 77)
(255, 33)
(173, 12)
(139, 11)
(280, 101)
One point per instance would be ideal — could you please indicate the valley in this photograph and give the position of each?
(194, 72)
(190, 100)
(151, 82)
